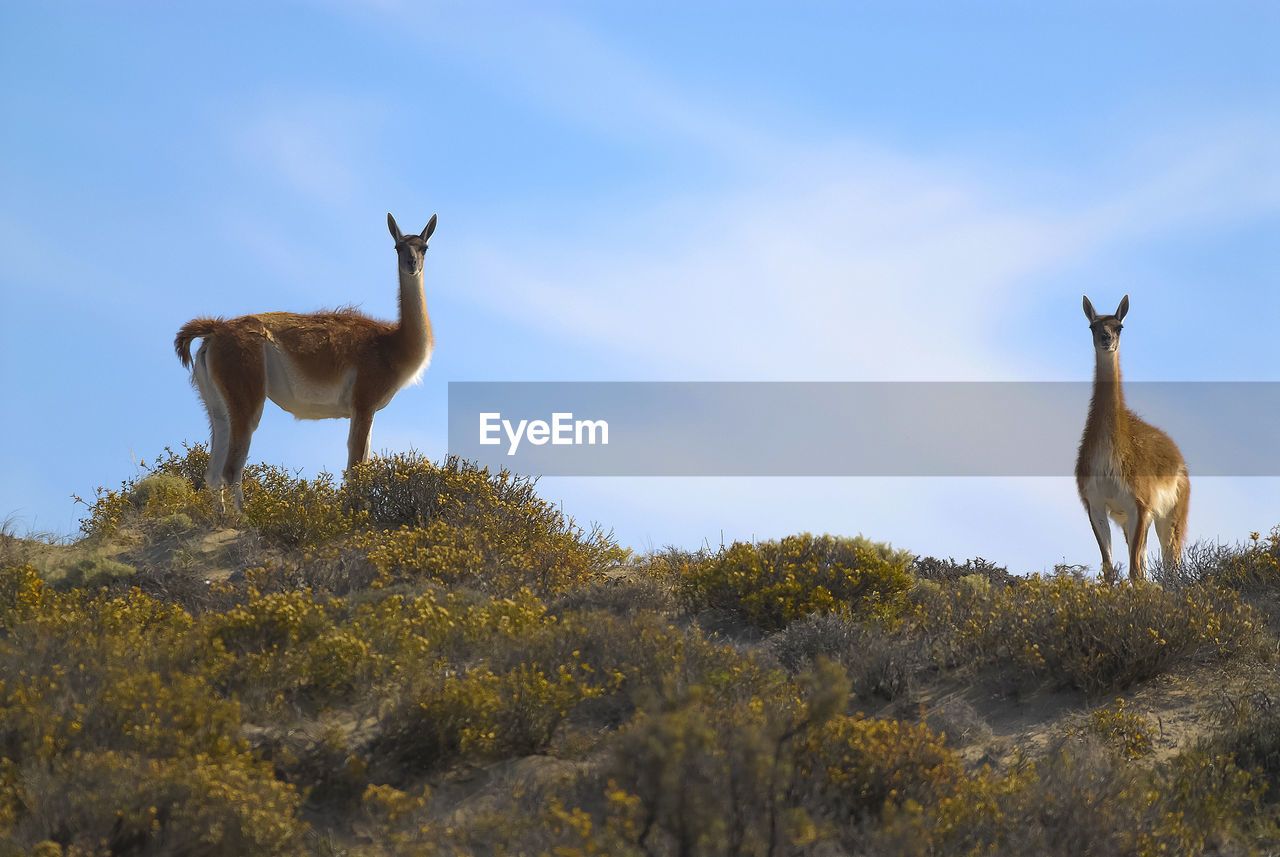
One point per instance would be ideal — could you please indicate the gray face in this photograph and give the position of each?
(411, 250)
(1106, 332)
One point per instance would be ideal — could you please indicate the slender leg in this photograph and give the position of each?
(219, 428)
(1178, 531)
(1138, 545)
(1170, 553)
(1102, 532)
(218, 446)
(358, 439)
(242, 430)
(240, 376)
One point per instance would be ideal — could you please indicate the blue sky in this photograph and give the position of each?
(867, 191)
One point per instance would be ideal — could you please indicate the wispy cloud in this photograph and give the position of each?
(316, 146)
(850, 264)
(814, 255)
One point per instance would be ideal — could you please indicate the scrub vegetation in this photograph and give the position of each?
(431, 659)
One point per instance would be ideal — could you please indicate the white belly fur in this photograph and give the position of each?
(1106, 490)
(304, 397)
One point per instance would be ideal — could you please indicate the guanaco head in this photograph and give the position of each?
(1106, 328)
(411, 248)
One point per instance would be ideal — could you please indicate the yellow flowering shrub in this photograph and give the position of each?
(863, 763)
(774, 583)
(456, 523)
(407, 490)
(437, 623)
(414, 520)
(113, 802)
(1119, 726)
(487, 556)
(478, 715)
(22, 594)
(287, 647)
(293, 512)
(109, 733)
(1104, 638)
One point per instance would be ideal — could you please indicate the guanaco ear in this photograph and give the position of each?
(431, 227)
(1123, 308)
(395, 230)
(1088, 311)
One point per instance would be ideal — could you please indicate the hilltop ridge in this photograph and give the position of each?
(431, 659)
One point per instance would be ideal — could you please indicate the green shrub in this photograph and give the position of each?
(286, 510)
(160, 490)
(1250, 566)
(172, 525)
(861, 765)
(165, 488)
(322, 764)
(411, 519)
(773, 583)
(94, 571)
(702, 776)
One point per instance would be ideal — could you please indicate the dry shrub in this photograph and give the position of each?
(478, 715)
(1251, 736)
(407, 490)
(1084, 797)
(1104, 638)
(881, 662)
(948, 570)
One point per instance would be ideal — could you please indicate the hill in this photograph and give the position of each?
(430, 659)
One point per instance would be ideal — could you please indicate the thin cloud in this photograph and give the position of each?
(312, 145)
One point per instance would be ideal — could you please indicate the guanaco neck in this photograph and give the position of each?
(1108, 415)
(414, 332)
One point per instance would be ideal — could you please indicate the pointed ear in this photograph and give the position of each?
(395, 230)
(1123, 308)
(431, 227)
(1088, 311)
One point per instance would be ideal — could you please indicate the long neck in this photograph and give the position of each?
(415, 326)
(1107, 411)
